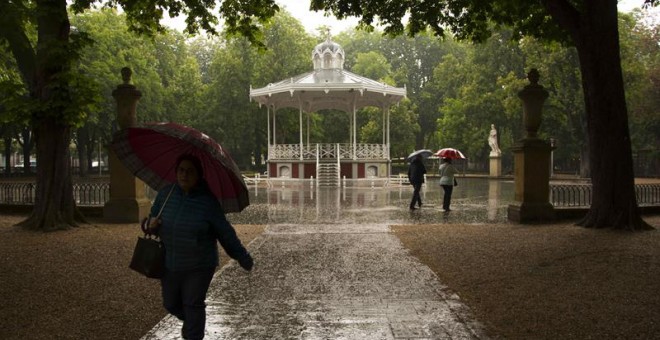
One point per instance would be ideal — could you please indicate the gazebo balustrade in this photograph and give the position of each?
(326, 151)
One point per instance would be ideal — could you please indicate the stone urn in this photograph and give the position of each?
(532, 96)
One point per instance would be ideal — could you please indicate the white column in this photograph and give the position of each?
(308, 114)
(300, 128)
(387, 113)
(268, 122)
(387, 144)
(274, 126)
(382, 109)
(350, 130)
(354, 132)
(269, 147)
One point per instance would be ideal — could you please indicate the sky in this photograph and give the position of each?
(311, 20)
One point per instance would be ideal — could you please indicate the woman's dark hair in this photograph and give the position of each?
(447, 160)
(195, 162)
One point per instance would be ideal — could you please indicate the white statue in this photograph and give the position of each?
(492, 142)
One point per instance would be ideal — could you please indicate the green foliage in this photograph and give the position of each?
(640, 50)
(455, 90)
(373, 65)
(228, 116)
(464, 19)
(241, 17)
(14, 103)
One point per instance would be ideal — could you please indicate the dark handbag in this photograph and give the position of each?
(455, 182)
(149, 257)
(149, 254)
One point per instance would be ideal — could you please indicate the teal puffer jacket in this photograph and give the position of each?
(190, 226)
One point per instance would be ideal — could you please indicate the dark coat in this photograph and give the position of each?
(191, 226)
(416, 171)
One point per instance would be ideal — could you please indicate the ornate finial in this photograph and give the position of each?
(126, 75)
(533, 76)
(327, 34)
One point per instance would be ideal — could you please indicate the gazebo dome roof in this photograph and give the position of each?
(327, 46)
(328, 55)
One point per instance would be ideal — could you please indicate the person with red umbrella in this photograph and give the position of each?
(447, 181)
(190, 224)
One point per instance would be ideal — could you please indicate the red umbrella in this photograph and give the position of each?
(150, 152)
(450, 153)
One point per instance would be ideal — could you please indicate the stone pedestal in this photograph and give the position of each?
(531, 157)
(494, 193)
(128, 202)
(531, 178)
(495, 165)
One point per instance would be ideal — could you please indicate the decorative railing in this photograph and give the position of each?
(345, 151)
(580, 195)
(371, 151)
(97, 193)
(84, 193)
(328, 150)
(284, 151)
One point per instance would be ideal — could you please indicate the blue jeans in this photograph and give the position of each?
(184, 295)
(447, 198)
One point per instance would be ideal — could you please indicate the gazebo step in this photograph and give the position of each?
(328, 174)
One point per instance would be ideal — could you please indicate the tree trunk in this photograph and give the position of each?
(613, 202)
(585, 166)
(54, 207)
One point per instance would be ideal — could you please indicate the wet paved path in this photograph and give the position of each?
(330, 281)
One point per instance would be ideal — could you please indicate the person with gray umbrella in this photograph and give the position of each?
(416, 172)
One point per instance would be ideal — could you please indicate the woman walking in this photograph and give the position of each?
(447, 181)
(190, 226)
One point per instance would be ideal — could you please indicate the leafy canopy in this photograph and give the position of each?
(240, 17)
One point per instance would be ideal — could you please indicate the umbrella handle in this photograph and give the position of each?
(147, 220)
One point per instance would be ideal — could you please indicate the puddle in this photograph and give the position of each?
(476, 200)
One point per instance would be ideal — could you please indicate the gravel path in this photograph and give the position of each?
(522, 282)
(554, 281)
(76, 284)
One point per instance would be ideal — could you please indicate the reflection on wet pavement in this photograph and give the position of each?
(327, 267)
(475, 200)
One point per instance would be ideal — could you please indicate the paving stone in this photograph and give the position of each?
(330, 281)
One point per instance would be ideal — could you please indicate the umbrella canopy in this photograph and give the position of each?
(450, 153)
(150, 152)
(424, 153)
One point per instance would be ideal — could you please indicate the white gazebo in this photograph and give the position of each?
(329, 86)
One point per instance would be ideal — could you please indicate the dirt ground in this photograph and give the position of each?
(556, 281)
(521, 281)
(76, 284)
